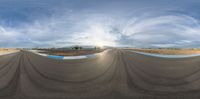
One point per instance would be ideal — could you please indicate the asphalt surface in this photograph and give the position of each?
(116, 74)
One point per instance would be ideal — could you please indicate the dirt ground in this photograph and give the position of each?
(72, 52)
(170, 51)
(7, 50)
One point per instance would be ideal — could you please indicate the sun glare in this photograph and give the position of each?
(99, 44)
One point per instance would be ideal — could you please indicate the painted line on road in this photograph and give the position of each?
(165, 56)
(67, 57)
(73, 57)
(55, 57)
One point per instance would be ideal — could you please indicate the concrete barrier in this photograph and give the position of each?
(165, 56)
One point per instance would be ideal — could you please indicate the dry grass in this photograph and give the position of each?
(7, 50)
(170, 51)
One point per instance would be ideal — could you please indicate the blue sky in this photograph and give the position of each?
(133, 23)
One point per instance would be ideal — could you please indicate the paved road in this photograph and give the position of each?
(116, 74)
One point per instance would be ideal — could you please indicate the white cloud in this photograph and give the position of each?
(58, 31)
(98, 31)
(176, 30)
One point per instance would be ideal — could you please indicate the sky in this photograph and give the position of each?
(118, 23)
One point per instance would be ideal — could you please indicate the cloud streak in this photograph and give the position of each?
(176, 30)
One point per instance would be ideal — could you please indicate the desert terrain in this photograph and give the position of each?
(7, 50)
